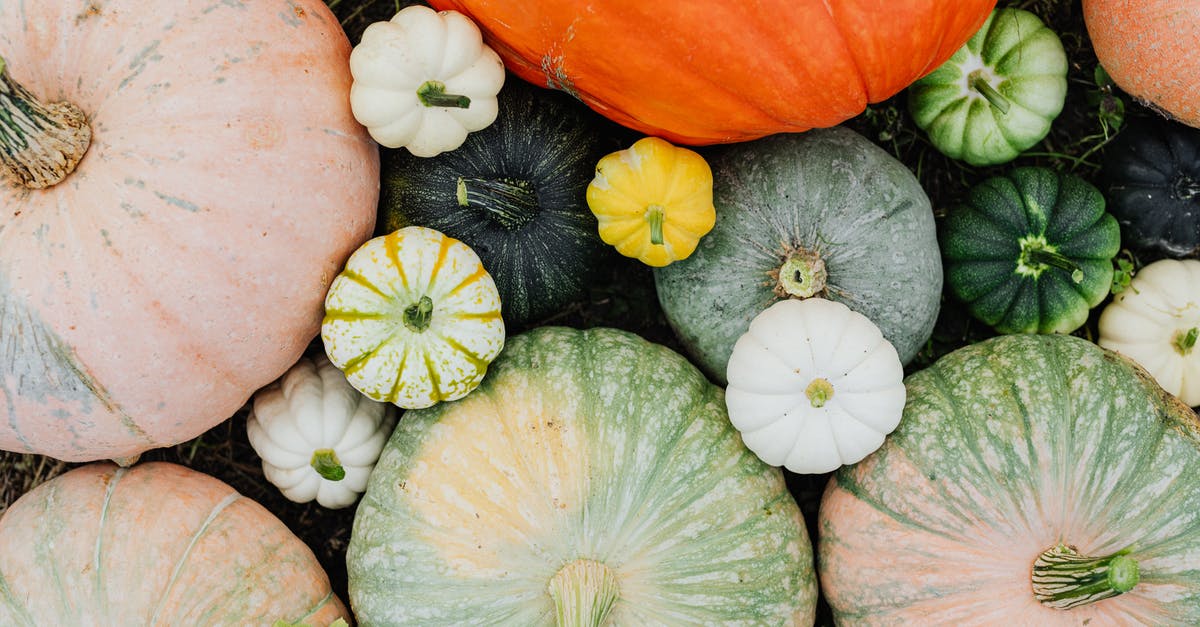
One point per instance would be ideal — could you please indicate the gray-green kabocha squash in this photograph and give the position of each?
(593, 476)
(824, 213)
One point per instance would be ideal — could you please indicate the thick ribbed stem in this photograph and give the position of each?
(39, 144)
(418, 315)
(977, 81)
(512, 203)
(584, 593)
(1037, 255)
(802, 275)
(325, 462)
(433, 94)
(1185, 187)
(1185, 341)
(1063, 579)
(819, 391)
(655, 214)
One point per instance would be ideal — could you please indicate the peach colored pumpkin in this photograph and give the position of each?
(155, 544)
(183, 263)
(1148, 48)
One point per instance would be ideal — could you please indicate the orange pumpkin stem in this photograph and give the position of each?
(40, 145)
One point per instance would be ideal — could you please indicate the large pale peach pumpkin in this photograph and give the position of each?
(1149, 49)
(183, 263)
(1034, 480)
(709, 71)
(155, 544)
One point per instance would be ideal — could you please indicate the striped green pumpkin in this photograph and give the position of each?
(591, 474)
(1024, 465)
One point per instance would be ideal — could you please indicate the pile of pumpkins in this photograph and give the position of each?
(195, 192)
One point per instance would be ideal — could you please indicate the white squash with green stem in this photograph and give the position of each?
(318, 437)
(424, 80)
(1156, 321)
(814, 385)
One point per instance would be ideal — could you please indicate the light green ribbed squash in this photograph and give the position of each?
(1034, 480)
(593, 476)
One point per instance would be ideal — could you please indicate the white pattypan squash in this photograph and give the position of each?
(413, 319)
(814, 385)
(424, 80)
(318, 437)
(1155, 322)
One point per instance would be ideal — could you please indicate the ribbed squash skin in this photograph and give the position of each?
(578, 444)
(830, 191)
(1007, 447)
(155, 544)
(183, 264)
(711, 71)
(542, 258)
(1152, 173)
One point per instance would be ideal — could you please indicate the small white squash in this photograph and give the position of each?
(423, 80)
(814, 385)
(413, 319)
(1155, 322)
(318, 437)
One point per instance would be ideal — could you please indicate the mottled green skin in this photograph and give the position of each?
(980, 241)
(1006, 447)
(578, 444)
(1025, 63)
(545, 140)
(830, 191)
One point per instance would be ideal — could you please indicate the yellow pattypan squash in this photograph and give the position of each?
(654, 201)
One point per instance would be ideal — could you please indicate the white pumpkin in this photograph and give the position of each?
(424, 80)
(1155, 322)
(814, 385)
(413, 319)
(318, 437)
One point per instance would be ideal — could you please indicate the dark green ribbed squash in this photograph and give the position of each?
(515, 193)
(1031, 251)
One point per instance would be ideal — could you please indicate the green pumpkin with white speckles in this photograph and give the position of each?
(1031, 252)
(593, 476)
(1034, 480)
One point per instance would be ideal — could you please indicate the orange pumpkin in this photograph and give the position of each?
(711, 71)
(1148, 48)
(155, 544)
(183, 263)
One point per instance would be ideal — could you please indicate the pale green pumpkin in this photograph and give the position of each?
(1010, 448)
(593, 476)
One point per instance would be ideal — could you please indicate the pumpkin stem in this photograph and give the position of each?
(512, 203)
(1185, 188)
(39, 144)
(326, 463)
(584, 593)
(418, 315)
(654, 216)
(819, 391)
(802, 275)
(1037, 255)
(1063, 579)
(433, 94)
(977, 81)
(1185, 341)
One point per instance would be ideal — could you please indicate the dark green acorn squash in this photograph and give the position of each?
(515, 193)
(1031, 252)
(1152, 171)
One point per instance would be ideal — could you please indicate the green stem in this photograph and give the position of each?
(584, 593)
(1185, 188)
(40, 144)
(980, 84)
(512, 203)
(802, 275)
(1185, 341)
(1042, 257)
(1063, 579)
(655, 214)
(433, 94)
(819, 391)
(418, 315)
(326, 463)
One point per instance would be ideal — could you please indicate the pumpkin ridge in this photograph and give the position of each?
(359, 279)
(11, 602)
(98, 585)
(329, 596)
(398, 382)
(219, 507)
(391, 247)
